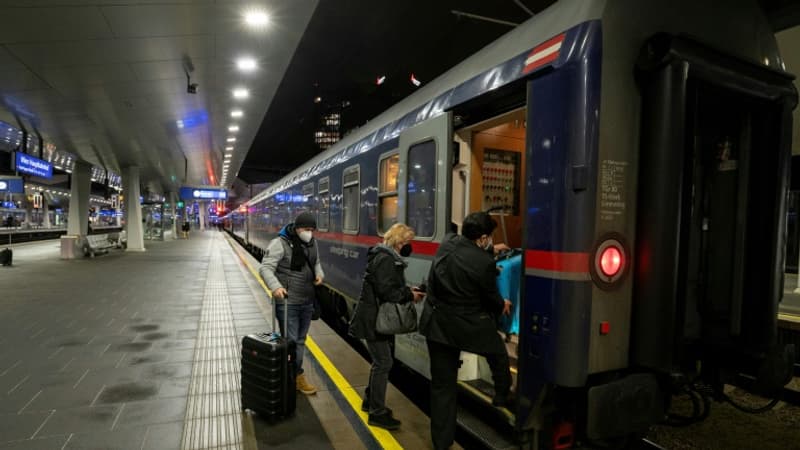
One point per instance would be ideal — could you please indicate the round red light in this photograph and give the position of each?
(611, 261)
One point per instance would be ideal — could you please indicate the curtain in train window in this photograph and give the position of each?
(350, 200)
(387, 192)
(323, 215)
(422, 188)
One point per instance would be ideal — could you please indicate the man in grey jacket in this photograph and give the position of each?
(287, 271)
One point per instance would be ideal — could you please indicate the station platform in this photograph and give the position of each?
(140, 350)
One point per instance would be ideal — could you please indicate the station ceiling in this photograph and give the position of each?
(106, 79)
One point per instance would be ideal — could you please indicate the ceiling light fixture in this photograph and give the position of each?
(256, 18)
(241, 93)
(233, 128)
(246, 64)
(229, 148)
(237, 113)
(231, 139)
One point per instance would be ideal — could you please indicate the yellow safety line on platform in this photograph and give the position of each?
(384, 438)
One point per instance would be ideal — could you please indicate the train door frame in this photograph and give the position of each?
(439, 129)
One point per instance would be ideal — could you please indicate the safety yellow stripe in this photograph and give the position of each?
(384, 438)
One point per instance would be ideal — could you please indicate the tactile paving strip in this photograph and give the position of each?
(213, 418)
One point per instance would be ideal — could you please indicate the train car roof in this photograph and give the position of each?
(432, 99)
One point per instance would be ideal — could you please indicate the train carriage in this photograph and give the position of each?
(638, 151)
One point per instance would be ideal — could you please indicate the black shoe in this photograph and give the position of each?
(365, 405)
(385, 421)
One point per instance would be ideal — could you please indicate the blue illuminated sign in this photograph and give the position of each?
(33, 166)
(203, 194)
(12, 185)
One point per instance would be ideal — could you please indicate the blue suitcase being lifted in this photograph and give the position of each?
(508, 281)
(268, 378)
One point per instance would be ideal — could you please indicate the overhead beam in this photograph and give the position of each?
(487, 19)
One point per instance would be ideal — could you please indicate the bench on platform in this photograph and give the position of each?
(96, 244)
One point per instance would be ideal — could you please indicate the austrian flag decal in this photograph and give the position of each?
(543, 54)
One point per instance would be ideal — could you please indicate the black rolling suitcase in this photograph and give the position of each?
(268, 378)
(5, 257)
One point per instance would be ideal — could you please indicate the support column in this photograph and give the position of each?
(78, 219)
(46, 210)
(80, 188)
(173, 199)
(133, 210)
(202, 213)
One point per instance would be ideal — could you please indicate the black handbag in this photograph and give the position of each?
(396, 318)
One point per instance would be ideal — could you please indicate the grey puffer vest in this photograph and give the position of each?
(299, 284)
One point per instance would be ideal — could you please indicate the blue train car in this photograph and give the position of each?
(641, 173)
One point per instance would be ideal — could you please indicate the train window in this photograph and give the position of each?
(422, 188)
(350, 199)
(387, 192)
(308, 197)
(323, 214)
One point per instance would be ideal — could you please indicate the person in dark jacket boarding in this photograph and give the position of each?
(384, 281)
(287, 271)
(460, 312)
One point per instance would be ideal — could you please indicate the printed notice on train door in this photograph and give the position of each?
(612, 189)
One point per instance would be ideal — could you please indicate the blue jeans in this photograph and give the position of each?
(299, 320)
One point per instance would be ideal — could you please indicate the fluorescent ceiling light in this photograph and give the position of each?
(231, 139)
(233, 128)
(237, 113)
(246, 64)
(241, 93)
(256, 18)
(229, 148)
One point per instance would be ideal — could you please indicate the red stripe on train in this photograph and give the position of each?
(557, 261)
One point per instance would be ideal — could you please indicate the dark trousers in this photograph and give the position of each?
(378, 375)
(444, 387)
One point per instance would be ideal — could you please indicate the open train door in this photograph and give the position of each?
(714, 167)
(423, 182)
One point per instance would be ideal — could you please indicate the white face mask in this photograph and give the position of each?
(306, 236)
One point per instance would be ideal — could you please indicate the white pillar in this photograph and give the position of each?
(80, 187)
(202, 213)
(133, 210)
(46, 210)
(173, 199)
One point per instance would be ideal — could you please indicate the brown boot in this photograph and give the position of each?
(304, 386)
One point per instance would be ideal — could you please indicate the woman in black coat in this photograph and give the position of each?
(384, 281)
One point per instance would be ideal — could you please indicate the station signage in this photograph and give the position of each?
(32, 166)
(189, 193)
(12, 185)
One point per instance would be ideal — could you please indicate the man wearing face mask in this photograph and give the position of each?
(459, 315)
(286, 269)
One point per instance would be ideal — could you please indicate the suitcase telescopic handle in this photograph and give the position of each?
(275, 313)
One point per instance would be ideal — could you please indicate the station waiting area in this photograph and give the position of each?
(141, 350)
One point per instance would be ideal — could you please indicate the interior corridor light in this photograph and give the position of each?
(233, 128)
(241, 93)
(237, 113)
(229, 148)
(231, 139)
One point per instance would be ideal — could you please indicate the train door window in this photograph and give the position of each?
(308, 197)
(323, 214)
(421, 188)
(387, 191)
(350, 199)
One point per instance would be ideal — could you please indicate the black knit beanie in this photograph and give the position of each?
(305, 220)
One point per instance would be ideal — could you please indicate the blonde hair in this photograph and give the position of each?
(398, 233)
